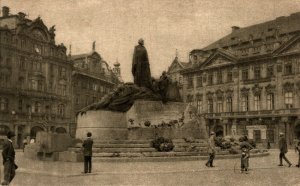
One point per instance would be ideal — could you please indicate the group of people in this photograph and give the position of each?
(245, 147)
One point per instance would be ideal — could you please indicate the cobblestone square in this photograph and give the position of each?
(264, 171)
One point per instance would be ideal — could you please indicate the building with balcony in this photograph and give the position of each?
(248, 82)
(92, 78)
(35, 78)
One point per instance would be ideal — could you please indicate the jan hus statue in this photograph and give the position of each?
(140, 66)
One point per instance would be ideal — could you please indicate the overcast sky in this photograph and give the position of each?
(165, 25)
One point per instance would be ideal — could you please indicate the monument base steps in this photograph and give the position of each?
(103, 149)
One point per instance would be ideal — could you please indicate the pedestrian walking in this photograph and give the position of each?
(283, 150)
(87, 152)
(298, 151)
(245, 147)
(211, 150)
(8, 155)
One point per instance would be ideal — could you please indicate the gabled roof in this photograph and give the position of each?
(183, 65)
(80, 56)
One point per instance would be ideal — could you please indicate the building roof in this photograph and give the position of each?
(277, 27)
(84, 55)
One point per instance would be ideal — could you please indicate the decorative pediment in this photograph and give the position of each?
(270, 88)
(199, 96)
(288, 87)
(174, 67)
(190, 98)
(229, 93)
(219, 93)
(291, 46)
(245, 91)
(95, 55)
(209, 95)
(218, 59)
(218, 62)
(37, 30)
(256, 90)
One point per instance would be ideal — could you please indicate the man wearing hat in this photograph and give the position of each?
(283, 149)
(8, 155)
(211, 150)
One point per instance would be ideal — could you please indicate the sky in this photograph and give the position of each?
(165, 25)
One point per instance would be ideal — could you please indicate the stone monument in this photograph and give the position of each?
(140, 110)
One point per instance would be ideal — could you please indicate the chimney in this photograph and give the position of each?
(21, 15)
(5, 11)
(235, 28)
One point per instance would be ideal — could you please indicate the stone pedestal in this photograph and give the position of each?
(103, 124)
(132, 125)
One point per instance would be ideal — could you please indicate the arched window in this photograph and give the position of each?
(3, 103)
(37, 107)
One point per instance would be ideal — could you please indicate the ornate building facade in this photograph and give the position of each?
(35, 78)
(248, 82)
(92, 79)
(174, 73)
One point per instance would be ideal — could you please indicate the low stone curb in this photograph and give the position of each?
(174, 158)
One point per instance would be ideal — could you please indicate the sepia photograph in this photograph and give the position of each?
(150, 92)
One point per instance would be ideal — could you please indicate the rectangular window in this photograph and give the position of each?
(229, 104)
(210, 79)
(77, 99)
(270, 101)
(86, 100)
(199, 81)
(256, 72)
(22, 63)
(210, 106)
(190, 82)
(64, 90)
(270, 71)
(229, 76)
(245, 74)
(220, 105)
(3, 103)
(180, 80)
(256, 102)
(288, 100)
(199, 106)
(34, 85)
(219, 77)
(20, 105)
(288, 69)
(244, 103)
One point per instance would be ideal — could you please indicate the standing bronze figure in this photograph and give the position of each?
(140, 66)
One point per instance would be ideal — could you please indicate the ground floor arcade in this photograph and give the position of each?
(260, 129)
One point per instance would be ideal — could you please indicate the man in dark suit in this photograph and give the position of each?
(8, 155)
(283, 150)
(87, 152)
